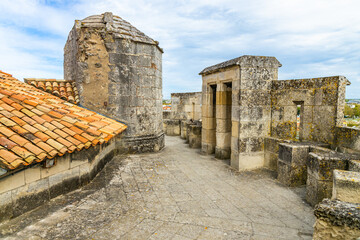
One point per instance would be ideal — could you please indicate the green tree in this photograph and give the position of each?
(349, 112)
(356, 110)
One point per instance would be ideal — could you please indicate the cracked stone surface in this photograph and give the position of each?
(173, 194)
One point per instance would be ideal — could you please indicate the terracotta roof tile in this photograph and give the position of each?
(19, 130)
(6, 131)
(80, 138)
(18, 114)
(6, 143)
(61, 88)
(8, 156)
(18, 140)
(35, 125)
(18, 121)
(46, 147)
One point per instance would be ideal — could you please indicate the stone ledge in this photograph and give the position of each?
(339, 213)
(141, 144)
(346, 186)
(20, 199)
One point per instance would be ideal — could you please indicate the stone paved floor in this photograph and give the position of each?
(173, 194)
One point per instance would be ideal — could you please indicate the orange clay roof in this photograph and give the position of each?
(35, 125)
(63, 89)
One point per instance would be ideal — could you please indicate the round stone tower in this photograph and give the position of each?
(118, 72)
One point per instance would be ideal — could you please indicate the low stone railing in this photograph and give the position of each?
(336, 220)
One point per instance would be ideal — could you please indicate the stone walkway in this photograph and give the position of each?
(174, 194)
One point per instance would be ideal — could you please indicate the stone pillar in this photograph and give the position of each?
(223, 121)
(291, 166)
(208, 138)
(183, 129)
(118, 71)
(194, 135)
(254, 117)
(320, 167)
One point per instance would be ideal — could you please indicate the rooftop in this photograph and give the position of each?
(63, 89)
(117, 25)
(243, 61)
(35, 125)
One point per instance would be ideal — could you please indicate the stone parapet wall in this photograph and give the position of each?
(166, 114)
(322, 104)
(336, 220)
(346, 186)
(34, 186)
(186, 106)
(348, 139)
(172, 127)
(320, 167)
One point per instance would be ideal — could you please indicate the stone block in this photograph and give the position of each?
(207, 148)
(32, 174)
(221, 112)
(75, 163)
(336, 220)
(209, 136)
(6, 207)
(354, 165)
(291, 164)
(320, 167)
(235, 129)
(12, 181)
(235, 143)
(248, 161)
(171, 127)
(317, 190)
(271, 160)
(62, 164)
(183, 129)
(194, 133)
(346, 186)
(222, 152)
(208, 123)
(223, 140)
(293, 154)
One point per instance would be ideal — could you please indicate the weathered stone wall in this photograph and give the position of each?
(251, 79)
(119, 75)
(337, 220)
(348, 139)
(322, 101)
(271, 148)
(346, 186)
(186, 106)
(33, 186)
(172, 127)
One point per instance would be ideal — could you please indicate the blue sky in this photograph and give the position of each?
(310, 38)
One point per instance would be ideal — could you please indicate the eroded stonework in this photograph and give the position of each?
(118, 71)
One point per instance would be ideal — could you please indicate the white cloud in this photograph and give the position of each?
(310, 38)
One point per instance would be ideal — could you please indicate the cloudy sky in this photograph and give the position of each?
(311, 38)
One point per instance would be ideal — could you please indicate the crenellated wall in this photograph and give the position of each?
(322, 105)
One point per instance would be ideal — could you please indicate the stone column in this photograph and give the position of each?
(223, 121)
(208, 121)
